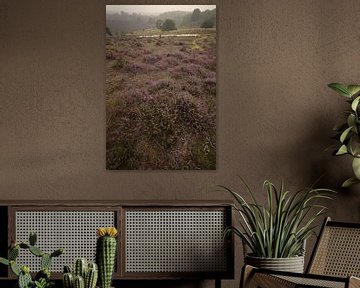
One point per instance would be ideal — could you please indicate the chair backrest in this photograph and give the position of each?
(337, 251)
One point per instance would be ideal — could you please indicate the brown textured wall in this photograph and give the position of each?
(275, 113)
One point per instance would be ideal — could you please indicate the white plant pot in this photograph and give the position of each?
(291, 264)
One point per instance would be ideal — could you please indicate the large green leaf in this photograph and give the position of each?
(340, 88)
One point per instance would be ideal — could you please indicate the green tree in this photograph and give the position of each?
(158, 23)
(168, 25)
(195, 15)
(209, 23)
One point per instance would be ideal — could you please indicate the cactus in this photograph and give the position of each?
(105, 254)
(91, 276)
(80, 268)
(42, 278)
(32, 238)
(24, 280)
(13, 253)
(45, 261)
(79, 282)
(36, 251)
(88, 273)
(68, 280)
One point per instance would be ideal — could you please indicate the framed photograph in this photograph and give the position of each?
(161, 87)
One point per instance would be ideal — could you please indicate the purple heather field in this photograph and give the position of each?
(161, 100)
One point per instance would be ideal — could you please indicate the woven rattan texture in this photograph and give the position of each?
(305, 282)
(175, 241)
(75, 231)
(338, 253)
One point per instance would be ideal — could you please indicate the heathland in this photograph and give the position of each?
(161, 99)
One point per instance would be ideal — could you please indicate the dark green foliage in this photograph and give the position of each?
(44, 273)
(105, 259)
(168, 25)
(43, 283)
(195, 17)
(119, 156)
(348, 132)
(209, 23)
(158, 23)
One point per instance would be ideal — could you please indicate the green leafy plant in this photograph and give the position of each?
(279, 229)
(42, 278)
(348, 132)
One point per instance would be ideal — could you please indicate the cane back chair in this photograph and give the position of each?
(335, 262)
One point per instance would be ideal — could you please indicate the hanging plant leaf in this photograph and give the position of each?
(351, 120)
(355, 103)
(340, 88)
(349, 182)
(345, 134)
(342, 150)
(353, 89)
(356, 167)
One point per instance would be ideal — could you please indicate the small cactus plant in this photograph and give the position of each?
(42, 278)
(85, 275)
(106, 254)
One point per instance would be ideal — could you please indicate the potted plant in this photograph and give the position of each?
(348, 132)
(276, 233)
(42, 278)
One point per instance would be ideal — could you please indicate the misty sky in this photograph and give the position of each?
(154, 9)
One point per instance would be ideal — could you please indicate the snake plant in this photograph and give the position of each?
(279, 228)
(348, 132)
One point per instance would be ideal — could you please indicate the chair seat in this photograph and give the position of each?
(335, 262)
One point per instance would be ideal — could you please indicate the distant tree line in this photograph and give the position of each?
(125, 22)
